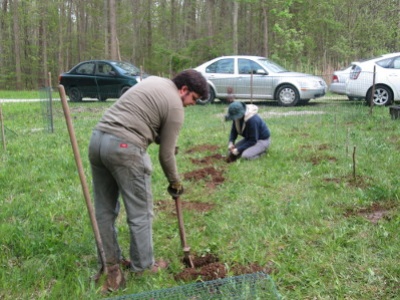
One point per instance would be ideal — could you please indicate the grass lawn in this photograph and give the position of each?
(319, 212)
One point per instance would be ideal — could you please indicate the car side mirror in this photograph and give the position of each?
(261, 72)
(112, 73)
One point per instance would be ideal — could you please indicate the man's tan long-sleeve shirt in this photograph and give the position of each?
(150, 110)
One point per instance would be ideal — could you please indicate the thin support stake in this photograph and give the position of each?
(51, 105)
(2, 128)
(372, 92)
(354, 163)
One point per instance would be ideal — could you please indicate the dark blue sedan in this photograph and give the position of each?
(101, 79)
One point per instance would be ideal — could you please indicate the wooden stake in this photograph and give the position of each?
(51, 104)
(2, 128)
(354, 163)
(372, 92)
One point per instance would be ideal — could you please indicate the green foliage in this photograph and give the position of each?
(297, 209)
(165, 37)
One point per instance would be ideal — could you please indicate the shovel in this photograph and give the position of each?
(82, 177)
(186, 249)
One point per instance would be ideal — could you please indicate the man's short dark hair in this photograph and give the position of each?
(194, 80)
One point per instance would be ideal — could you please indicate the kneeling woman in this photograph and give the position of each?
(248, 124)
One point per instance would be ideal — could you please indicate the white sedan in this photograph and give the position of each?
(386, 78)
(338, 83)
(256, 77)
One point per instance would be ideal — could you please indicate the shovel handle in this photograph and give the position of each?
(79, 165)
(182, 234)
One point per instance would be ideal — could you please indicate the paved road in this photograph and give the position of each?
(24, 100)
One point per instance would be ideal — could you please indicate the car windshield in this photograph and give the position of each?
(272, 66)
(126, 68)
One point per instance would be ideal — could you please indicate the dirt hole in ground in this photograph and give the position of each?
(374, 212)
(352, 181)
(208, 267)
(317, 159)
(208, 160)
(210, 175)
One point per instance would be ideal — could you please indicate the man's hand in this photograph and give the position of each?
(231, 146)
(175, 189)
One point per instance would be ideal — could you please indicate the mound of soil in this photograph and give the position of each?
(210, 268)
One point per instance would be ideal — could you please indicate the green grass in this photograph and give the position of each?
(297, 209)
(26, 94)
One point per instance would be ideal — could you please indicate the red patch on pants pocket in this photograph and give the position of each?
(122, 145)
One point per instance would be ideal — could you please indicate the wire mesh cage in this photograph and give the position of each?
(256, 286)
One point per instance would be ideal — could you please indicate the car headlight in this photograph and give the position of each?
(311, 84)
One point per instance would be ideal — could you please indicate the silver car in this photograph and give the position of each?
(258, 78)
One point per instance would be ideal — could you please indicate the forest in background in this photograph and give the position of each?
(38, 37)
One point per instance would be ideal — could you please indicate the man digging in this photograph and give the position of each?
(150, 111)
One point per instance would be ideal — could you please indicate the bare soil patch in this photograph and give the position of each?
(210, 175)
(373, 213)
(317, 159)
(352, 181)
(207, 160)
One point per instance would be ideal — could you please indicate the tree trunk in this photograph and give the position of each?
(69, 35)
(113, 31)
(43, 47)
(235, 27)
(265, 29)
(105, 25)
(210, 12)
(3, 14)
(149, 31)
(61, 52)
(17, 45)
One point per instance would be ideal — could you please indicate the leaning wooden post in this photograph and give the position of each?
(2, 128)
(354, 163)
(371, 100)
(82, 177)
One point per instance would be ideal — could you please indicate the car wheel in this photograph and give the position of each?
(287, 95)
(210, 99)
(75, 94)
(123, 90)
(382, 96)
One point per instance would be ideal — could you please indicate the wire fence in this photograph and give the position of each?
(256, 286)
(247, 89)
